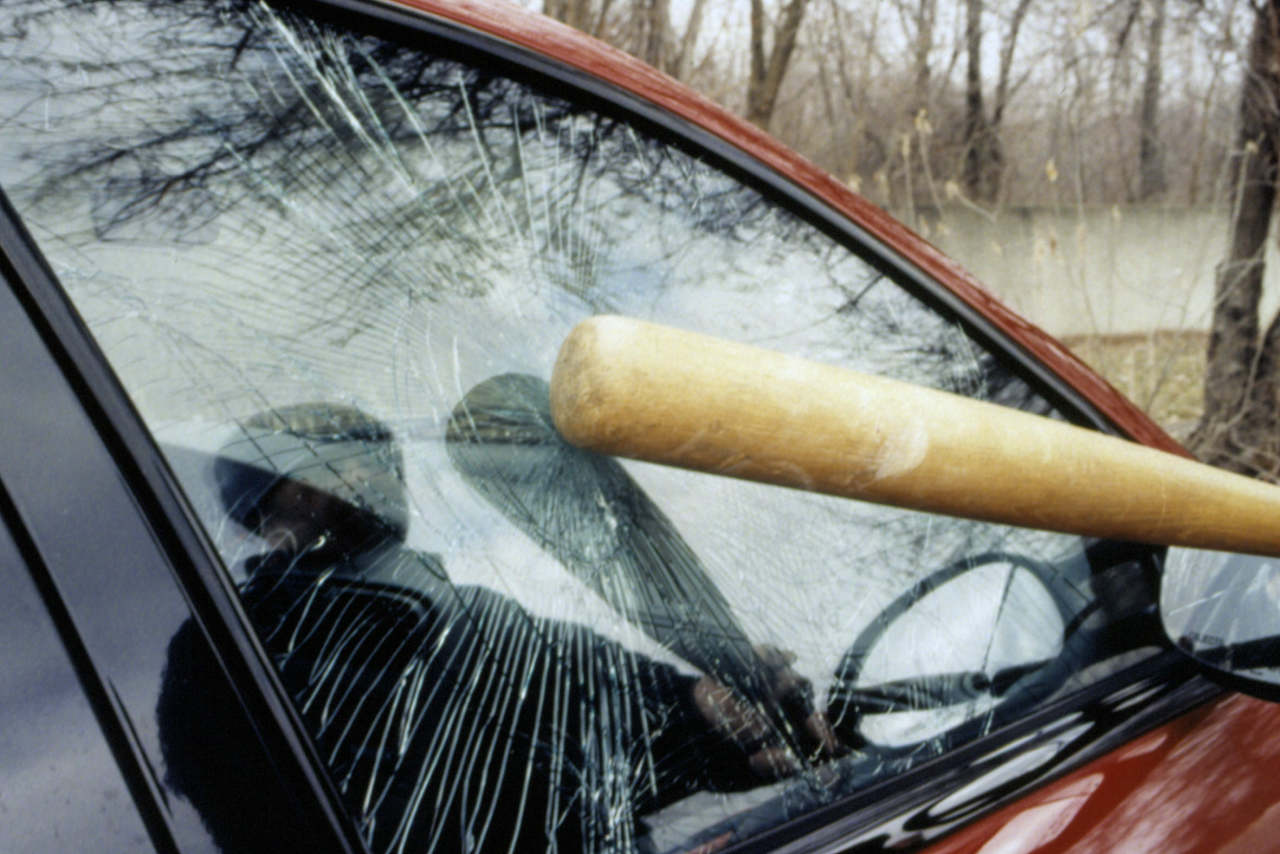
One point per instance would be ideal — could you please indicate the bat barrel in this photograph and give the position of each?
(634, 389)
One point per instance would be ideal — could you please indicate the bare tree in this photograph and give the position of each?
(575, 13)
(625, 26)
(766, 73)
(926, 14)
(1151, 177)
(1004, 85)
(1221, 52)
(683, 58)
(982, 153)
(654, 23)
(1239, 427)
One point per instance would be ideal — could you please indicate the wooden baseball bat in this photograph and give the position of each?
(649, 392)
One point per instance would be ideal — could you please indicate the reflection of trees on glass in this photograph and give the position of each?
(365, 172)
(392, 155)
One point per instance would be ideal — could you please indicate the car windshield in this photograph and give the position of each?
(332, 271)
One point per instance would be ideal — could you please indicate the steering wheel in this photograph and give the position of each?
(904, 683)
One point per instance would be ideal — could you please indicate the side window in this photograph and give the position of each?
(333, 272)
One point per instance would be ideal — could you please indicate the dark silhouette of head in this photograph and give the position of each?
(320, 478)
(315, 477)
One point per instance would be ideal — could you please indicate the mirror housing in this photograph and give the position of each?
(1223, 610)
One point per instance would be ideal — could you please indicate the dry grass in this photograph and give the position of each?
(1160, 371)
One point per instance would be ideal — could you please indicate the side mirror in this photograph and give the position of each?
(1223, 609)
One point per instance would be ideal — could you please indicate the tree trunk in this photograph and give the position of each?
(766, 75)
(1151, 178)
(601, 19)
(681, 63)
(981, 152)
(655, 36)
(575, 13)
(925, 16)
(1006, 64)
(1238, 430)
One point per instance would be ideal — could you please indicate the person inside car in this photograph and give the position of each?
(450, 718)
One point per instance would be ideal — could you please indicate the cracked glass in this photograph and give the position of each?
(332, 271)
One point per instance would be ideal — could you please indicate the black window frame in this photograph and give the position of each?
(175, 538)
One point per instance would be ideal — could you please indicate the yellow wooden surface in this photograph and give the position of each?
(664, 395)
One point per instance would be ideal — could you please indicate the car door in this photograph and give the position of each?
(53, 752)
(329, 254)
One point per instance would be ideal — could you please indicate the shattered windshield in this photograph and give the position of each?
(333, 271)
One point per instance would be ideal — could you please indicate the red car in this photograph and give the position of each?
(298, 560)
